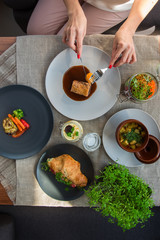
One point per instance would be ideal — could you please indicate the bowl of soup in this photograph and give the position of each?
(132, 135)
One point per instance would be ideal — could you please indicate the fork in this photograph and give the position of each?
(83, 67)
(97, 75)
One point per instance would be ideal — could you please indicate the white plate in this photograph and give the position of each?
(100, 102)
(110, 144)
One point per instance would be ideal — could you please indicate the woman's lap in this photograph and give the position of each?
(50, 16)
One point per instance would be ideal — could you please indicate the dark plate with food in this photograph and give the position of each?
(23, 106)
(64, 171)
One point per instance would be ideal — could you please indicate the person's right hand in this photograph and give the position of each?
(123, 49)
(75, 31)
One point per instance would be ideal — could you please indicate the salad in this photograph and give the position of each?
(143, 86)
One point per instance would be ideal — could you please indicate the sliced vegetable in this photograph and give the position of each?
(14, 120)
(20, 123)
(18, 133)
(9, 126)
(18, 113)
(25, 123)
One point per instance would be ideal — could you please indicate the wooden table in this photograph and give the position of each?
(5, 42)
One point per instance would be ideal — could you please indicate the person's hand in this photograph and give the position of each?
(75, 31)
(123, 49)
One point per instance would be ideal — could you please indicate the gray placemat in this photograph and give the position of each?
(34, 54)
(8, 76)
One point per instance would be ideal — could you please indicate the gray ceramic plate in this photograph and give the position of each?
(115, 152)
(49, 184)
(101, 101)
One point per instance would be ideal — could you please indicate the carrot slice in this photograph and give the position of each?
(20, 123)
(18, 134)
(14, 120)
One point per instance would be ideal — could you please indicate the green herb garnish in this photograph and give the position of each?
(77, 133)
(18, 113)
(72, 129)
(130, 136)
(69, 134)
(45, 166)
(122, 196)
(60, 178)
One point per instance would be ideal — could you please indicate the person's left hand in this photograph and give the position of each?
(123, 49)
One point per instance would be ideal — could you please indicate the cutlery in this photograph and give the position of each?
(83, 67)
(97, 75)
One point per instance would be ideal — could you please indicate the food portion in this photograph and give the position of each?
(132, 135)
(81, 88)
(9, 126)
(72, 131)
(143, 86)
(75, 85)
(67, 170)
(14, 125)
(89, 78)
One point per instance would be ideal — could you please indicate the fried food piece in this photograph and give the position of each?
(9, 126)
(69, 168)
(81, 88)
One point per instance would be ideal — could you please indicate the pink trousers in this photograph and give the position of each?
(50, 16)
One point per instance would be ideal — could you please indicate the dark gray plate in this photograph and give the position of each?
(47, 180)
(37, 113)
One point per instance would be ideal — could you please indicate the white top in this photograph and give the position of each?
(111, 5)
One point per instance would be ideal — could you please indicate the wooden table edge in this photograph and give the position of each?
(6, 42)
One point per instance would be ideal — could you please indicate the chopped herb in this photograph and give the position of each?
(69, 134)
(60, 178)
(130, 136)
(45, 166)
(72, 129)
(77, 133)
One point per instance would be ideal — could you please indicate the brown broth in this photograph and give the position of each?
(76, 73)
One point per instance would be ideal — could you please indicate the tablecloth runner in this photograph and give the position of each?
(34, 54)
(8, 76)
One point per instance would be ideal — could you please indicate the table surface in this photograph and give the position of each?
(5, 42)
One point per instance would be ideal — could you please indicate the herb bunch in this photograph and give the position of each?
(121, 196)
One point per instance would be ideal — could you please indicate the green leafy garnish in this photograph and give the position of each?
(130, 136)
(45, 166)
(72, 129)
(69, 134)
(60, 178)
(122, 196)
(77, 133)
(18, 113)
